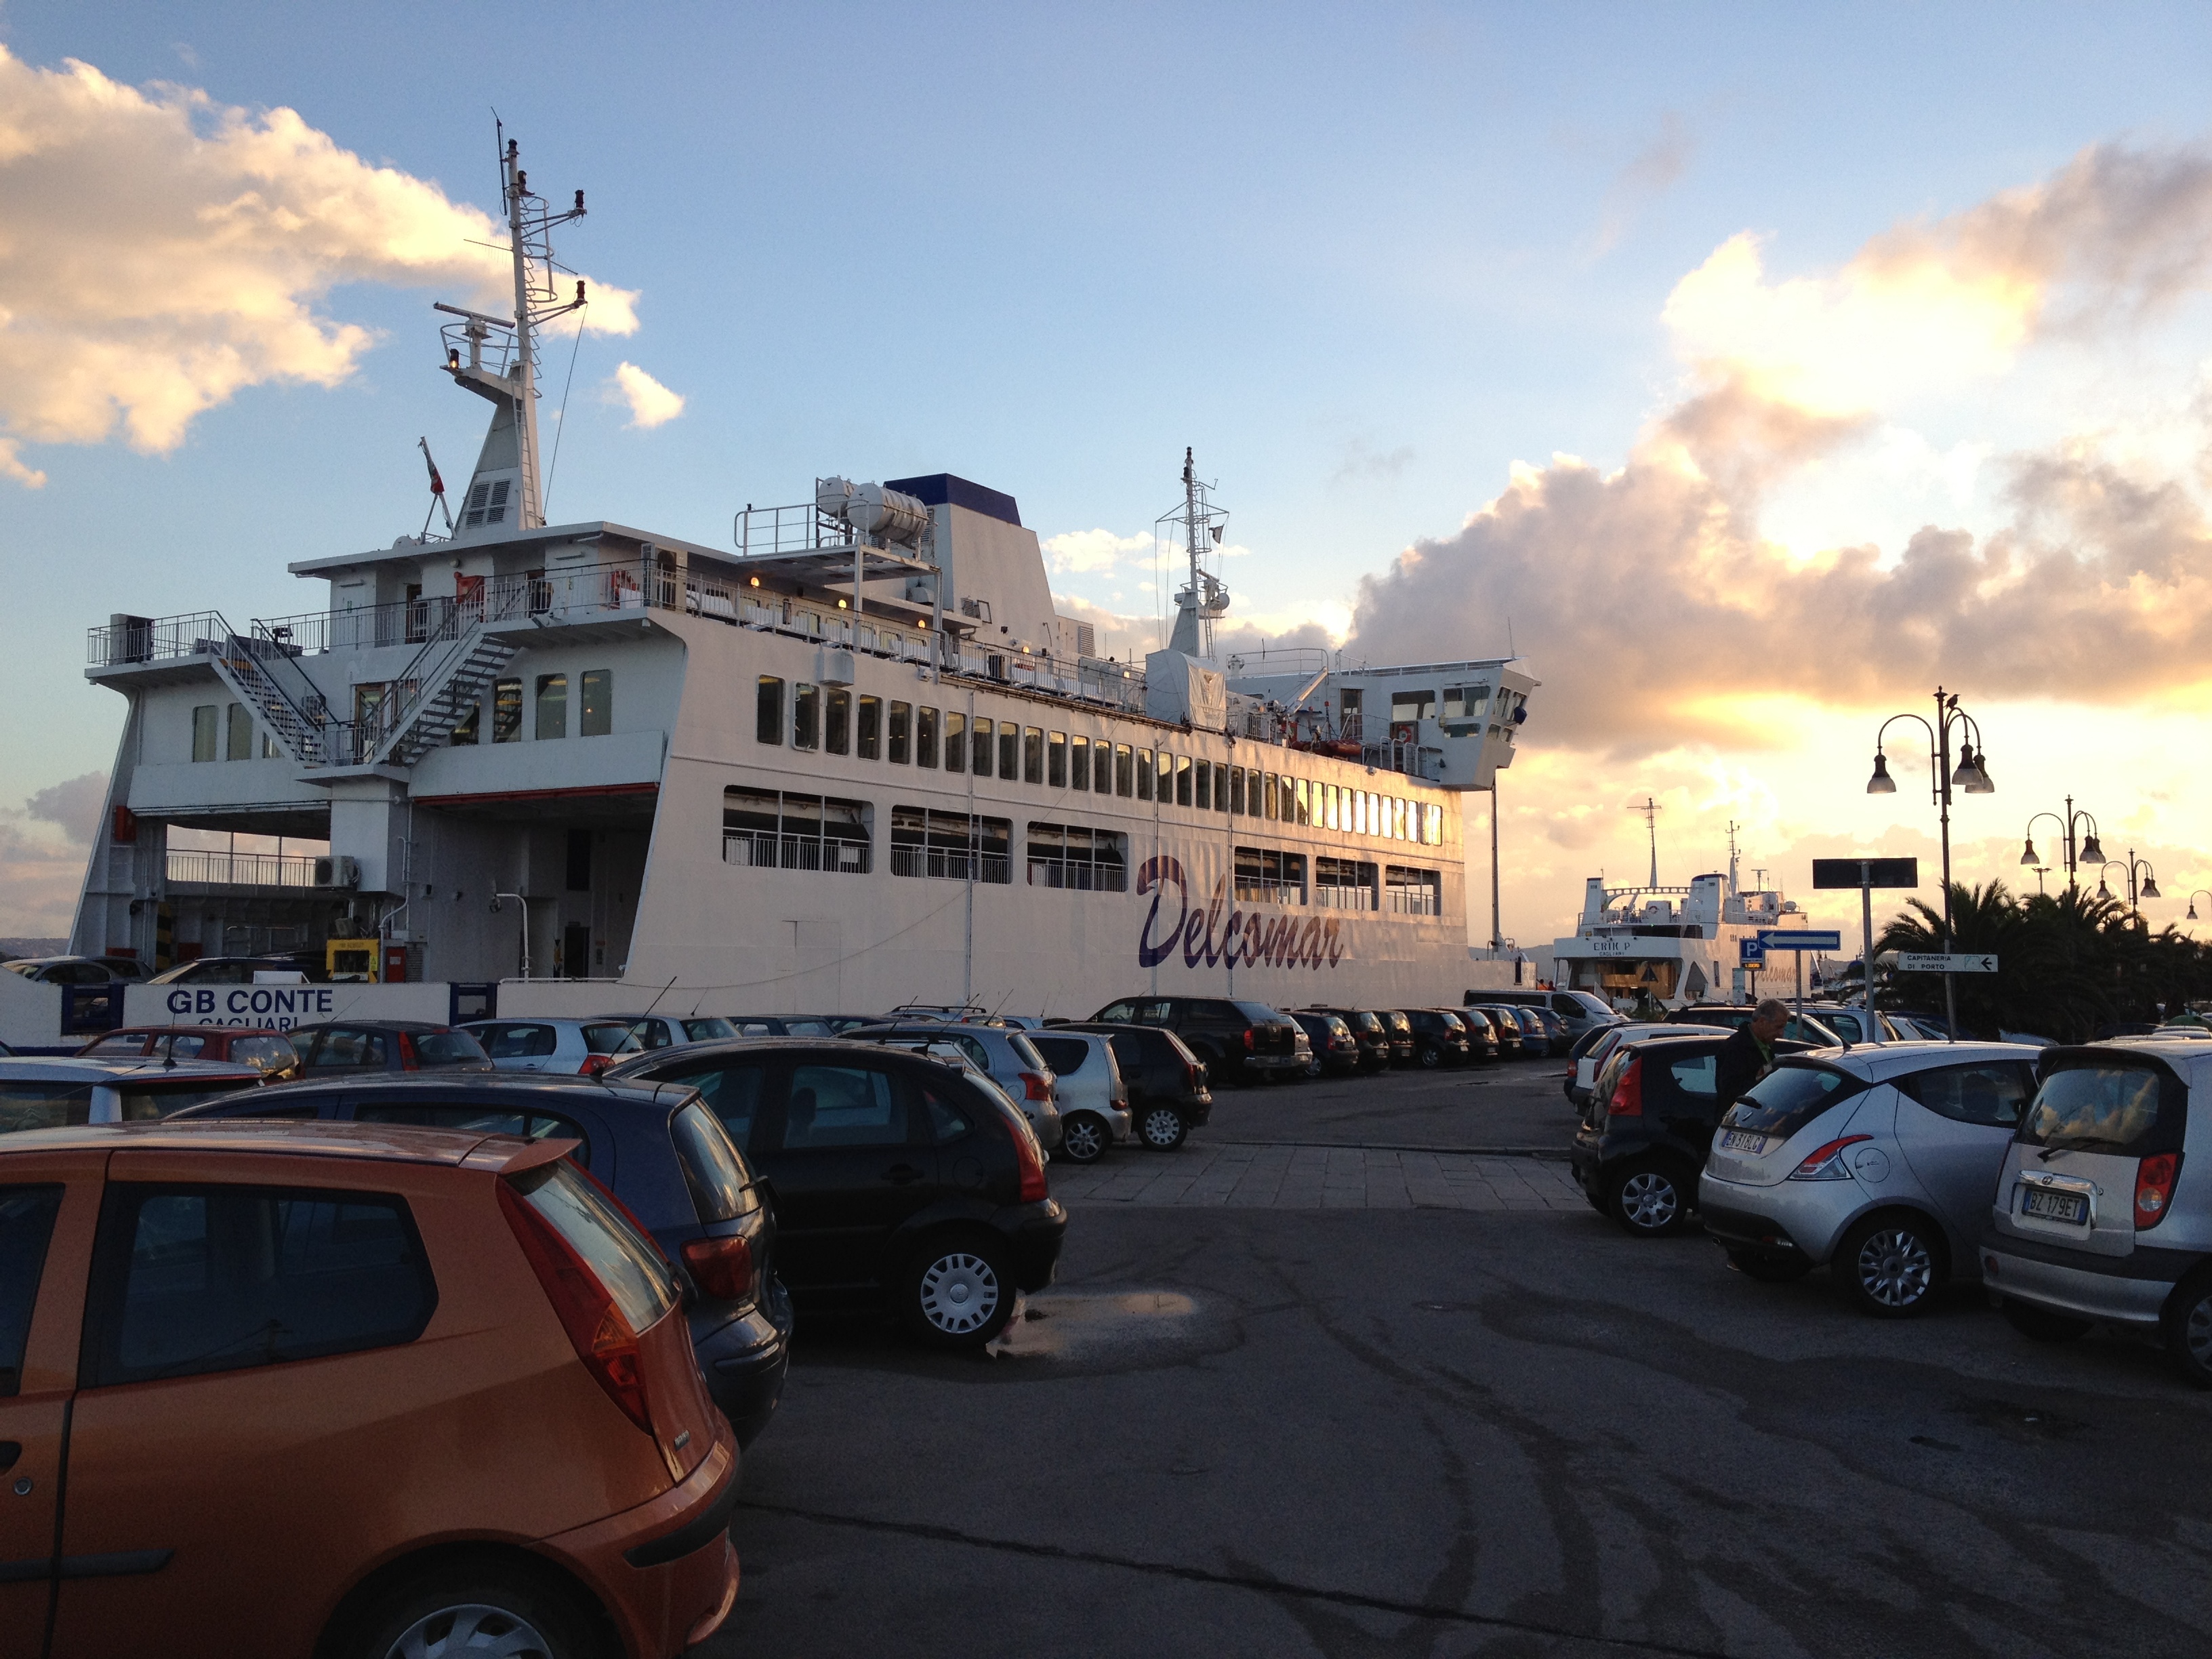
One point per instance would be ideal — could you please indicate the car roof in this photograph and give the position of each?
(479, 1085)
(1877, 1060)
(297, 1138)
(191, 1030)
(372, 1025)
(92, 1069)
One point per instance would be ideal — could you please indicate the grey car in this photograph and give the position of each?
(674, 1030)
(1094, 1103)
(2103, 1207)
(1876, 1162)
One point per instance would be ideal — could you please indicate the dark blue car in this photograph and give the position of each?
(657, 1148)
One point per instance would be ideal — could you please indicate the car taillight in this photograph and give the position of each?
(1249, 1044)
(407, 1060)
(1036, 1086)
(2154, 1178)
(1826, 1163)
(601, 1336)
(722, 1267)
(595, 1064)
(1190, 1078)
(1628, 1093)
(1030, 1158)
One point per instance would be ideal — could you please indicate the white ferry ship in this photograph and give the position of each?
(853, 761)
(1678, 945)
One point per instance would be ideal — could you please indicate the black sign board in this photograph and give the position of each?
(1877, 873)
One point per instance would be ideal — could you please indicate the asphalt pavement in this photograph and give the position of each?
(1380, 1429)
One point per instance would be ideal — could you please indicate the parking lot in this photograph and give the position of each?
(1349, 1375)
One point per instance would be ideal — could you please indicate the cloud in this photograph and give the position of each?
(1653, 171)
(159, 254)
(1087, 552)
(43, 846)
(1360, 461)
(651, 403)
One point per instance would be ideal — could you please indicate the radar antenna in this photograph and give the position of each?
(1199, 524)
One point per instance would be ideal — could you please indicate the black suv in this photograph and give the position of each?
(1400, 1030)
(1646, 1127)
(1374, 1036)
(657, 1150)
(894, 1179)
(1168, 1096)
(1440, 1038)
(1245, 1041)
(1491, 1033)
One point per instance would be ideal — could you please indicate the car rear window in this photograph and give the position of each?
(611, 1040)
(143, 1102)
(33, 1105)
(436, 1049)
(1026, 1051)
(1258, 1012)
(26, 1222)
(628, 1263)
(511, 1041)
(263, 1054)
(708, 1030)
(2105, 1106)
(123, 1042)
(713, 1169)
(1065, 1055)
(188, 1280)
(1788, 1097)
(479, 1120)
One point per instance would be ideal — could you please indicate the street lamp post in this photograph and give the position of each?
(2134, 866)
(1973, 776)
(2193, 897)
(2089, 851)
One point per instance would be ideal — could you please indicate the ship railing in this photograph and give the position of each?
(1344, 898)
(1414, 901)
(218, 868)
(1252, 889)
(764, 849)
(156, 638)
(953, 864)
(801, 527)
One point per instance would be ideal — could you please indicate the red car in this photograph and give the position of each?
(269, 1053)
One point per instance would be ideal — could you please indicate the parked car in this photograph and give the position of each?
(658, 1150)
(1647, 1128)
(1812, 1030)
(1238, 1041)
(1087, 1086)
(1403, 1048)
(2103, 1207)
(238, 970)
(1167, 1083)
(673, 1031)
(1002, 1053)
(1502, 1034)
(1514, 1036)
(48, 1094)
(247, 1340)
(1535, 1036)
(66, 970)
(1371, 1033)
(1440, 1037)
(559, 1047)
(800, 1025)
(894, 1182)
(1598, 1043)
(355, 1046)
(269, 1053)
(1848, 1022)
(1578, 1011)
(1876, 1163)
(1332, 1047)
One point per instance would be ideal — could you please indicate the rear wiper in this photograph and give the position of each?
(2074, 1144)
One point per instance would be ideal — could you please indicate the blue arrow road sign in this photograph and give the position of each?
(1799, 938)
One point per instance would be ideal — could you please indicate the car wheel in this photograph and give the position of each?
(1429, 1057)
(1314, 1065)
(1084, 1137)
(1648, 1199)
(1888, 1265)
(1769, 1269)
(956, 1294)
(481, 1611)
(1162, 1128)
(2040, 1325)
(2188, 1325)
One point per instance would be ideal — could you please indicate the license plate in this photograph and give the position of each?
(2048, 1205)
(1743, 1140)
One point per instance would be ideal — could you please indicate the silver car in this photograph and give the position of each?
(1094, 1103)
(1592, 1060)
(52, 1094)
(2103, 1207)
(1877, 1162)
(560, 1048)
(674, 1030)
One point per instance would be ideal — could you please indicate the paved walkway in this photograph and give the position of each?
(1278, 1178)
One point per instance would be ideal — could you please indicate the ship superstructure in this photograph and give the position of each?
(854, 759)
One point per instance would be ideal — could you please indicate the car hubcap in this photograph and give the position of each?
(471, 1630)
(1895, 1267)
(1648, 1200)
(1083, 1141)
(2198, 1333)
(959, 1293)
(1162, 1128)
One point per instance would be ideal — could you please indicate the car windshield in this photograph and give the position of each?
(1258, 1012)
(709, 1030)
(1788, 1097)
(628, 1265)
(2097, 1106)
(434, 1049)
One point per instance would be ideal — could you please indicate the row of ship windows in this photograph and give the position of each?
(221, 735)
(779, 830)
(832, 719)
(595, 710)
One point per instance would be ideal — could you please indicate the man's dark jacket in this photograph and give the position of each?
(1738, 1067)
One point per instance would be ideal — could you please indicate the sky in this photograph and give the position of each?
(1749, 371)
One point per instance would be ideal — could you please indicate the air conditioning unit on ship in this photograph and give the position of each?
(337, 872)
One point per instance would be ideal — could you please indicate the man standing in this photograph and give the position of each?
(1749, 1054)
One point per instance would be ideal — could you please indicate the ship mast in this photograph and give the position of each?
(1204, 599)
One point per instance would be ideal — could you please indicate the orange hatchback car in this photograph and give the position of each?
(286, 1389)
